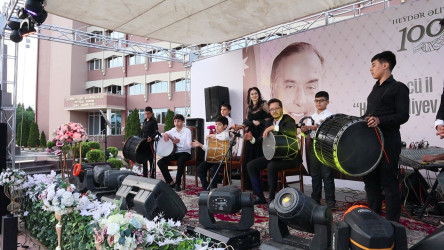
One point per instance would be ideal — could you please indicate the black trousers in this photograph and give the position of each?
(385, 177)
(145, 167)
(321, 173)
(273, 166)
(181, 159)
(202, 171)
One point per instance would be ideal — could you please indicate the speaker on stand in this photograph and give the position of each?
(214, 97)
(199, 123)
(4, 201)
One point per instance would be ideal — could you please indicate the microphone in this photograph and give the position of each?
(236, 134)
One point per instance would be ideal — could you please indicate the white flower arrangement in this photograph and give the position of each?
(12, 177)
(60, 198)
(37, 183)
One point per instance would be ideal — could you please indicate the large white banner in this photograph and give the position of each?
(410, 30)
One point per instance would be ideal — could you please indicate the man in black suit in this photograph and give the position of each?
(149, 131)
(280, 124)
(439, 122)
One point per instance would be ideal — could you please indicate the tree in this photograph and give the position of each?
(43, 139)
(33, 138)
(132, 125)
(169, 120)
(22, 133)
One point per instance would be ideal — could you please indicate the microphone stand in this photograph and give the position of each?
(153, 152)
(232, 143)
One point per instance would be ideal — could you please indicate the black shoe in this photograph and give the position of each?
(172, 185)
(259, 201)
(152, 176)
(177, 188)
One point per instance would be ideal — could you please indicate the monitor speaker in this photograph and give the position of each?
(199, 124)
(413, 187)
(150, 197)
(214, 97)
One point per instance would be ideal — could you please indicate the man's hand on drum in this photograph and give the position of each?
(149, 139)
(256, 123)
(196, 144)
(175, 140)
(306, 128)
(166, 137)
(440, 131)
(372, 121)
(269, 129)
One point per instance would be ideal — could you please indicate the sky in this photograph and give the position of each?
(26, 69)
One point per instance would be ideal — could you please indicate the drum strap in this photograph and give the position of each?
(382, 145)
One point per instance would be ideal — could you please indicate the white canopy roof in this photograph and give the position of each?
(189, 21)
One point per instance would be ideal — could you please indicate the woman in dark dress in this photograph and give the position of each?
(257, 113)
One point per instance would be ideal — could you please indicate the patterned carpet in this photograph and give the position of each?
(416, 230)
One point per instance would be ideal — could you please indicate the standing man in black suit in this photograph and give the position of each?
(149, 131)
(280, 124)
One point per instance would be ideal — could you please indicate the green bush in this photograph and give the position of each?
(95, 155)
(113, 151)
(42, 138)
(132, 125)
(50, 144)
(169, 121)
(33, 137)
(85, 149)
(94, 145)
(115, 163)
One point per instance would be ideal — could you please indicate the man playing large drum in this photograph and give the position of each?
(280, 124)
(181, 136)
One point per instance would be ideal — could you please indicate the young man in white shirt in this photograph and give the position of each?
(181, 137)
(225, 111)
(318, 171)
(221, 134)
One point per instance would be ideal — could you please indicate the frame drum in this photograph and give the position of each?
(165, 148)
(216, 150)
(280, 147)
(347, 144)
(136, 149)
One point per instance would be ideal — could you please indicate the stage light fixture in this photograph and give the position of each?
(26, 27)
(22, 14)
(226, 200)
(293, 208)
(15, 36)
(14, 25)
(364, 229)
(34, 7)
(40, 18)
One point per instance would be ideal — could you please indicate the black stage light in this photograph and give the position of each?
(40, 18)
(14, 25)
(293, 208)
(26, 27)
(364, 229)
(15, 36)
(34, 7)
(22, 14)
(226, 200)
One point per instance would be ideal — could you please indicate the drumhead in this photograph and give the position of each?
(269, 146)
(164, 148)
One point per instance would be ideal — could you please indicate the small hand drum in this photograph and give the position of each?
(280, 147)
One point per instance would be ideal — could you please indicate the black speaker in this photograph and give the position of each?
(214, 97)
(199, 124)
(413, 187)
(150, 197)
(9, 232)
(3, 143)
(434, 240)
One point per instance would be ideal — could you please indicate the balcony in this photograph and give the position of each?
(93, 102)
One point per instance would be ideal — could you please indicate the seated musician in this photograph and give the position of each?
(280, 124)
(202, 169)
(181, 137)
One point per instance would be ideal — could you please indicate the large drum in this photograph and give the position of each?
(280, 147)
(165, 148)
(136, 149)
(347, 144)
(216, 149)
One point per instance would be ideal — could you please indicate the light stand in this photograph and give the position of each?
(229, 151)
(153, 147)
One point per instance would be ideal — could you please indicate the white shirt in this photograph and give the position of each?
(438, 122)
(319, 118)
(224, 136)
(230, 123)
(184, 136)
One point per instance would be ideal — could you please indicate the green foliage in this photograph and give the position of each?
(22, 133)
(95, 155)
(42, 138)
(50, 144)
(85, 148)
(169, 120)
(115, 163)
(94, 145)
(113, 151)
(33, 137)
(23, 121)
(76, 232)
(132, 125)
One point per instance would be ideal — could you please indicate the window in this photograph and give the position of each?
(115, 34)
(114, 61)
(113, 89)
(95, 64)
(95, 38)
(136, 59)
(116, 123)
(181, 110)
(156, 54)
(159, 87)
(94, 90)
(95, 123)
(136, 89)
(141, 116)
(160, 115)
(182, 85)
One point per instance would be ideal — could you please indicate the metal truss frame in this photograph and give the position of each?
(186, 54)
